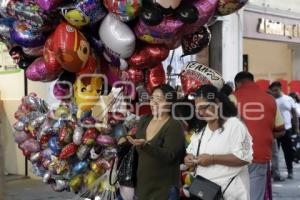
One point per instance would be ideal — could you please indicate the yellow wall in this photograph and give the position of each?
(269, 60)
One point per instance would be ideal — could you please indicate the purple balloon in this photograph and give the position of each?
(30, 145)
(48, 4)
(105, 140)
(20, 137)
(24, 36)
(164, 33)
(207, 9)
(62, 90)
(38, 71)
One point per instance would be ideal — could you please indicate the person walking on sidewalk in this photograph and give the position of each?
(287, 107)
(259, 112)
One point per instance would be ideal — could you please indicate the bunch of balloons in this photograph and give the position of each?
(69, 153)
(87, 46)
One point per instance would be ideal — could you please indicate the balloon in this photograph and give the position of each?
(5, 26)
(96, 168)
(66, 135)
(30, 145)
(117, 37)
(89, 136)
(35, 157)
(105, 140)
(75, 183)
(125, 10)
(227, 7)
(148, 56)
(135, 76)
(206, 10)
(104, 164)
(46, 177)
(63, 88)
(187, 13)
(79, 167)
(90, 67)
(68, 151)
(151, 15)
(34, 52)
(155, 77)
(53, 144)
(77, 136)
(89, 179)
(20, 137)
(119, 131)
(70, 47)
(23, 35)
(111, 72)
(31, 13)
(84, 12)
(39, 71)
(196, 42)
(62, 112)
(167, 32)
(48, 4)
(87, 93)
(59, 185)
(195, 74)
(95, 152)
(83, 152)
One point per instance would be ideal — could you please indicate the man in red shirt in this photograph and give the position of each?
(259, 112)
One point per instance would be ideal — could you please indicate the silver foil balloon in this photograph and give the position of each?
(83, 152)
(35, 157)
(77, 136)
(46, 177)
(117, 37)
(59, 185)
(19, 126)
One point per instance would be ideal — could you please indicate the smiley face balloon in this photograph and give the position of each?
(87, 93)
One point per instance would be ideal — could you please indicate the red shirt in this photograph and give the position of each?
(259, 112)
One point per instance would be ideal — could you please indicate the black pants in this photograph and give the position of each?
(287, 147)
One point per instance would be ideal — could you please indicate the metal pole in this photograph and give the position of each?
(26, 93)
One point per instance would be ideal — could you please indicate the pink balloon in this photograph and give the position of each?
(48, 4)
(38, 71)
(207, 9)
(167, 32)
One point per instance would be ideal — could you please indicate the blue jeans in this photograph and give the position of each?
(258, 180)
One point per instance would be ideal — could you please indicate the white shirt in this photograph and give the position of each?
(286, 104)
(234, 139)
(298, 109)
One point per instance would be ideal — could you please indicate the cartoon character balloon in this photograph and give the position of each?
(227, 7)
(71, 48)
(87, 92)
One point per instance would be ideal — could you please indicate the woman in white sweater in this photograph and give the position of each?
(221, 150)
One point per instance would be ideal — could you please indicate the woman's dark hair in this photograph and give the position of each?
(212, 95)
(227, 89)
(169, 92)
(295, 96)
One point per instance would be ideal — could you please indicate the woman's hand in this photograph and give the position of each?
(189, 160)
(136, 142)
(204, 160)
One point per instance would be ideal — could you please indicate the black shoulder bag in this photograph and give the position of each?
(204, 189)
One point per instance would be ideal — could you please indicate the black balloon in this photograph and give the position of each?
(151, 15)
(24, 64)
(196, 42)
(187, 13)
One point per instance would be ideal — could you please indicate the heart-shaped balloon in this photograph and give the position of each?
(195, 74)
(206, 9)
(196, 42)
(155, 77)
(117, 37)
(39, 71)
(227, 7)
(125, 10)
(148, 55)
(133, 75)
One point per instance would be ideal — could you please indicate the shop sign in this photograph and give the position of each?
(273, 27)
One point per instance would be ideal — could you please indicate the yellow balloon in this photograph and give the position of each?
(62, 111)
(96, 168)
(87, 93)
(90, 178)
(75, 183)
(75, 17)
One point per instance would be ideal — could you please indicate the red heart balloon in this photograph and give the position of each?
(136, 76)
(68, 151)
(148, 55)
(155, 77)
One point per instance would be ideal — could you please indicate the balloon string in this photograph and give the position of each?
(169, 67)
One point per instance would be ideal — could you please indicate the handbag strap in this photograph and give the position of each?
(231, 180)
(200, 140)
